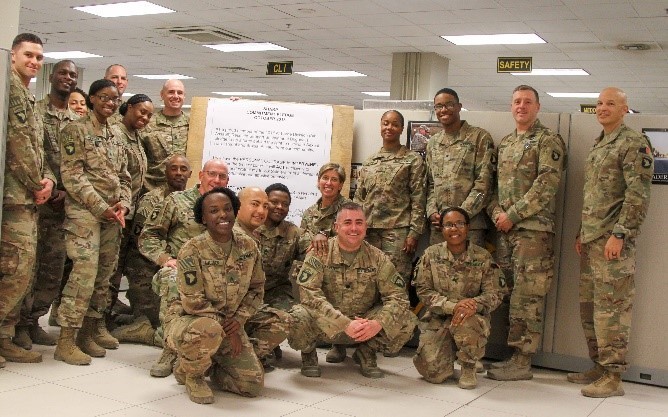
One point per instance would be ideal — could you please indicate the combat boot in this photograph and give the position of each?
(14, 353)
(278, 353)
(41, 337)
(198, 390)
(366, 358)
(165, 363)
(67, 351)
(336, 354)
(179, 373)
(22, 337)
(140, 331)
(468, 379)
(518, 369)
(85, 340)
(53, 314)
(586, 377)
(102, 336)
(608, 385)
(310, 366)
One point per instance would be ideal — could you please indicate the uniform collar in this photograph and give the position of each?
(604, 139)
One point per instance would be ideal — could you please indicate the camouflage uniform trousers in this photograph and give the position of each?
(529, 254)
(606, 302)
(164, 285)
(199, 341)
(280, 297)
(435, 355)
(50, 265)
(477, 236)
(391, 241)
(93, 248)
(140, 271)
(115, 280)
(17, 262)
(306, 332)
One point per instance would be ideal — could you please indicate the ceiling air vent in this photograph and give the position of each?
(205, 35)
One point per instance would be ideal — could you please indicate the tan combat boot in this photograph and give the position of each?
(67, 351)
(468, 379)
(310, 366)
(85, 340)
(102, 336)
(586, 377)
(336, 354)
(198, 390)
(165, 363)
(518, 369)
(140, 331)
(22, 337)
(53, 314)
(41, 337)
(13, 353)
(608, 385)
(366, 358)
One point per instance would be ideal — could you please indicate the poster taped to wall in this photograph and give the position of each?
(419, 133)
(659, 139)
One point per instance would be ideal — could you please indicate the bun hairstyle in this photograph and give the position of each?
(95, 87)
(137, 98)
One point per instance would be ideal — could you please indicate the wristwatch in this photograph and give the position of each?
(619, 235)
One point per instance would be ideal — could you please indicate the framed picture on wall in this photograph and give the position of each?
(659, 139)
(354, 175)
(419, 133)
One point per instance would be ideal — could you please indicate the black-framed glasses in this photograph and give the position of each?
(458, 225)
(105, 98)
(451, 105)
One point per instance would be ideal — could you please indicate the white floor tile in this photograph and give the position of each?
(10, 380)
(607, 409)
(133, 354)
(135, 411)
(644, 397)
(296, 388)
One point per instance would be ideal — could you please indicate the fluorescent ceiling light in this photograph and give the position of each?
(500, 39)
(573, 95)
(165, 77)
(331, 74)
(554, 71)
(131, 8)
(238, 93)
(377, 93)
(128, 94)
(247, 47)
(70, 55)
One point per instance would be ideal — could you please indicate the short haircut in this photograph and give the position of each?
(524, 87)
(114, 65)
(80, 91)
(278, 187)
(137, 98)
(459, 210)
(26, 37)
(61, 63)
(333, 166)
(447, 90)
(350, 205)
(97, 86)
(198, 208)
(398, 113)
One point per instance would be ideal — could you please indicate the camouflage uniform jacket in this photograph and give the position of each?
(443, 279)
(279, 247)
(25, 162)
(54, 121)
(315, 220)
(390, 187)
(93, 167)
(530, 166)
(163, 137)
(460, 172)
(219, 287)
(618, 176)
(335, 292)
(146, 205)
(136, 162)
(169, 226)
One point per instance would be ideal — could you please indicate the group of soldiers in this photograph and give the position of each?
(219, 299)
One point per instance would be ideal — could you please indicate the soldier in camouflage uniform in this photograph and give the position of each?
(351, 295)
(531, 161)
(28, 182)
(167, 134)
(95, 175)
(618, 175)
(390, 187)
(220, 281)
(55, 116)
(459, 168)
(117, 74)
(460, 285)
(144, 292)
(168, 227)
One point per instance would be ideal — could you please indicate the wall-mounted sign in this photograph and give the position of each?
(588, 108)
(279, 68)
(659, 139)
(513, 64)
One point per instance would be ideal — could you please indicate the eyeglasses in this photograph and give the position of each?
(213, 174)
(449, 105)
(458, 225)
(105, 98)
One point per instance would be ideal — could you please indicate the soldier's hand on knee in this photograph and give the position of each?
(231, 326)
(235, 343)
